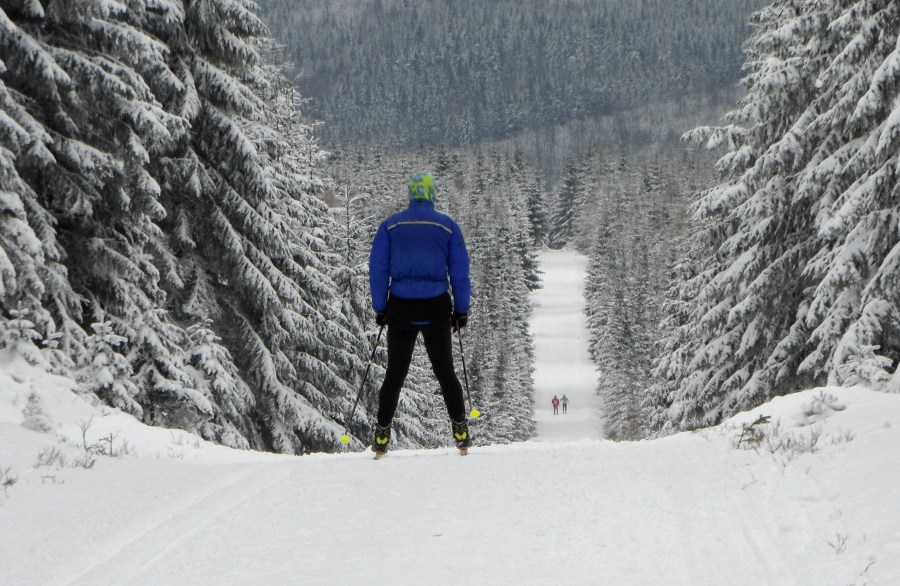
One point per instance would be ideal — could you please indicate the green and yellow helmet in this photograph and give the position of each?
(422, 188)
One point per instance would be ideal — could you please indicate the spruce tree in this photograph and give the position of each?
(570, 199)
(795, 261)
(163, 191)
(107, 374)
(214, 374)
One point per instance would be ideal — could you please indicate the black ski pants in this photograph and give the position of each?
(401, 341)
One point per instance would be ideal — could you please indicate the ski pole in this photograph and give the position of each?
(475, 413)
(345, 439)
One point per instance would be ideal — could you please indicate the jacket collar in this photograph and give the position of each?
(420, 203)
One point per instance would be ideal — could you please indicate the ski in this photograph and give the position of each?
(463, 451)
(379, 455)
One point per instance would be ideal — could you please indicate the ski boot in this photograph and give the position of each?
(380, 443)
(461, 436)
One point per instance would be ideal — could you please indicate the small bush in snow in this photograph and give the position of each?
(778, 441)
(6, 478)
(839, 545)
(50, 456)
(862, 366)
(843, 436)
(108, 373)
(105, 446)
(752, 434)
(35, 419)
(85, 461)
(761, 434)
(184, 440)
(19, 333)
(821, 407)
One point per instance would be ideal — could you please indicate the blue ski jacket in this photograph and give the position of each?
(419, 253)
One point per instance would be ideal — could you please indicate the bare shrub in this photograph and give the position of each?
(50, 456)
(7, 479)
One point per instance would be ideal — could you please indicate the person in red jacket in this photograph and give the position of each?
(555, 404)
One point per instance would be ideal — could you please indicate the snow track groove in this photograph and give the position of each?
(155, 539)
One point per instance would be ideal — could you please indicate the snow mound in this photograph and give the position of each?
(41, 411)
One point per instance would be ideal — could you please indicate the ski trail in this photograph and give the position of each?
(562, 361)
(263, 524)
(155, 538)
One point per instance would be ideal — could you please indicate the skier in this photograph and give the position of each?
(565, 403)
(555, 402)
(418, 258)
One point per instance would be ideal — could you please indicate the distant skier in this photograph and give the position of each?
(418, 257)
(555, 402)
(565, 403)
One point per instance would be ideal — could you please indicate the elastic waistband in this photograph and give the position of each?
(420, 311)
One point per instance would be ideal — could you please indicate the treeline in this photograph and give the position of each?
(411, 72)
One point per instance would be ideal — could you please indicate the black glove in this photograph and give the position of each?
(458, 320)
(381, 318)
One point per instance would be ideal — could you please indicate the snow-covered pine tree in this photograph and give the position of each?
(853, 178)
(214, 375)
(22, 257)
(352, 229)
(800, 238)
(570, 198)
(158, 361)
(163, 176)
(619, 387)
(617, 306)
(755, 232)
(628, 261)
(107, 373)
(352, 232)
(87, 121)
(129, 129)
(594, 307)
(498, 344)
(261, 227)
(529, 183)
(18, 333)
(526, 201)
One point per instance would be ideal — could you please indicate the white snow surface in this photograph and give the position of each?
(567, 508)
(562, 362)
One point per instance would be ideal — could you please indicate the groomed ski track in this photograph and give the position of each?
(562, 362)
(684, 510)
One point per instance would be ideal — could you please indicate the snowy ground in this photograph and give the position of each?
(562, 362)
(691, 509)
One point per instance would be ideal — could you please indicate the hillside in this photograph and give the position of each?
(406, 73)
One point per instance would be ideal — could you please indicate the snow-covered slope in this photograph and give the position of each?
(562, 362)
(692, 509)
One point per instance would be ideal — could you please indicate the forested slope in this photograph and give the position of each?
(405, 72)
